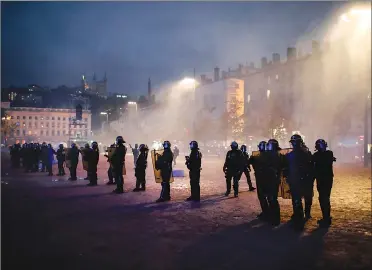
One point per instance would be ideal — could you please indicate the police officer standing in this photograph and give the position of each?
(118, 162)
(164, 164)
(233, 168)
(247, 169)
(274, 165)
(140, 170)
(74, 159)
(258, 163)
(51, 154)
(323, 172)
(193, 163)
(297, 170)
(93, 159)
(61, 157)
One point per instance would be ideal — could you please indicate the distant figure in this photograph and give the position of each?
(176, 153)
(135, 152)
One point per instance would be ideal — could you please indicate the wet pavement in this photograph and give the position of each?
(52, 223)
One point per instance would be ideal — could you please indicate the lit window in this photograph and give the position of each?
(277, 76)
(248, 98)
(29, 132)
(42, 118)
(268, 94)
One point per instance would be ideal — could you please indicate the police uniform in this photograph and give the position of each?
(233, 168)
(140, 170)
(93, 159)
(118, 162)
(193, 163)
(323, 172)
(164, 164)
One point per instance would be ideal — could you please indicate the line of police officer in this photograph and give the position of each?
(301, 169)
(299, 166)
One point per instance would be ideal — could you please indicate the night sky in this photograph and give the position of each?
(54, 43)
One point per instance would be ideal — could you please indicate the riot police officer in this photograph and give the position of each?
(118, 162)
(259, 166)
(233, 168)
(193, 163)
(93, 159)
(140, 170)
(297, 170)
(109, 170)
(164, 164)
(247, 168)
(274, 163)
(61, 157)
(323, 172)
(74, 159)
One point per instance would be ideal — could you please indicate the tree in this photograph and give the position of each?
(7, 128)
(235, 120)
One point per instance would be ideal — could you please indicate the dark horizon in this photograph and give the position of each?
(54, 43)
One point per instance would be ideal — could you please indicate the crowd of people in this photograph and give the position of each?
(299, 167)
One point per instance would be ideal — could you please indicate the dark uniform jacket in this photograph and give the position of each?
(323, 164)
(118, 158)
(298, 166)
(164, 162)
(61, 156)
(193, 163)
(234, 161)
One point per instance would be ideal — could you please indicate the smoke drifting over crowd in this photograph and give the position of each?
(329, 88)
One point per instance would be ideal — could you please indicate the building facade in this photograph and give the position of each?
(213, 103)
(49, 125)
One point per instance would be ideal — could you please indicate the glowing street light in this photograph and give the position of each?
(133, 103)
(188, 82)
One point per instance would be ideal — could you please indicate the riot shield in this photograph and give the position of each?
(154, 157)
(284, 190)
(84, 152)
(110, 152)
(68, 157)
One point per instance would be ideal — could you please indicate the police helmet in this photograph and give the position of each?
(119, 140)
(94, 145)
(61, 145)
(143, 148)
(243, 148)
(272, 144)
(87, 145)
(234, 145)
(320, 144)
(194, 145)
(73, 145)
(262, 146)
(296, 140)
(166, 144)
(136, 145)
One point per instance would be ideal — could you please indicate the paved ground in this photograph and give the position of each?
(51, 223)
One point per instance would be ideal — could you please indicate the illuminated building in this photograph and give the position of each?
(95, 87)
(49, 125)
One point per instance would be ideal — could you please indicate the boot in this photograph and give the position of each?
(236, 191)
(136, 189)
(325, 222)
(92, 184)
(160, 200)
(110, 183)
(189, 199)
(227, 193)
